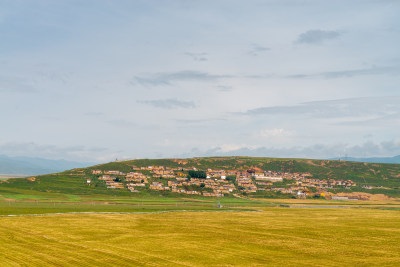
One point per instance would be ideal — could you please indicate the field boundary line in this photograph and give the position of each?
(116, 212)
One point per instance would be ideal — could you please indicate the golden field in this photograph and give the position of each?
(273, 236)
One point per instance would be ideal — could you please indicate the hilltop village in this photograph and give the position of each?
(217, 183)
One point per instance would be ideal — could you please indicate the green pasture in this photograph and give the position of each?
(34, 208)
(15, 201)
(31, 202)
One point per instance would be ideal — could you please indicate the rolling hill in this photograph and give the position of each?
(105, 179)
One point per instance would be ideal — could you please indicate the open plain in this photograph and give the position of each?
(270, 236)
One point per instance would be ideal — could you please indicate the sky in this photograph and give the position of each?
(95, 80)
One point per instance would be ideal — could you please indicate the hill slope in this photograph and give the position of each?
(258, 177)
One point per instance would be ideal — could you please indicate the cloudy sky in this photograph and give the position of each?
(92, 80)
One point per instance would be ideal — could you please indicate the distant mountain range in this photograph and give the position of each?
(25, 166)
(395, 159)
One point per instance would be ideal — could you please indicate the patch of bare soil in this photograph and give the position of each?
(180, 161)
(256, 169)
(312, 163)
(364, 196)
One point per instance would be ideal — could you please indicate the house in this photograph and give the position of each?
(301, 193)
(340, 198)
(136, 184)
(115, 185)
(113, 172)
(159, 186)
(267, 177)
(107, 178)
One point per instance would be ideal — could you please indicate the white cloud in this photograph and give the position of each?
(384, 70)
(340, 108)
(72, 87)
(181, 76)
(318, 151)
(198, 56)
(272, 133)
(258, 49)
(227, 148)
(170, 103)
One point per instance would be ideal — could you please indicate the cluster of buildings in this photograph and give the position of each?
(217, 182)
(330, 183)
(111, 181)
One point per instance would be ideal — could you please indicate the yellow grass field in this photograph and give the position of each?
(274, 236)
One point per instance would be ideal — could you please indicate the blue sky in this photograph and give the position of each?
(99, 80)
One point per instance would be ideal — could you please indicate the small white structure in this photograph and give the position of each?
(340, 198)
(300, 193)
(268, 178)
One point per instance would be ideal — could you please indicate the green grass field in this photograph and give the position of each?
(43, 203)
(274, 236)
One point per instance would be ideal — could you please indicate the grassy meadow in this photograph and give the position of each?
(274, 236)
(119, 206)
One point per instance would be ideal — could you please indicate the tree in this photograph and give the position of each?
(231, 178)
(197, 174)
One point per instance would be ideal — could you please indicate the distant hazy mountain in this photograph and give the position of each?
(35, 166)
(395, 159)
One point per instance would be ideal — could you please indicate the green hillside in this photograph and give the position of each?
(368, 177)
(372, 173)
(375, 174)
